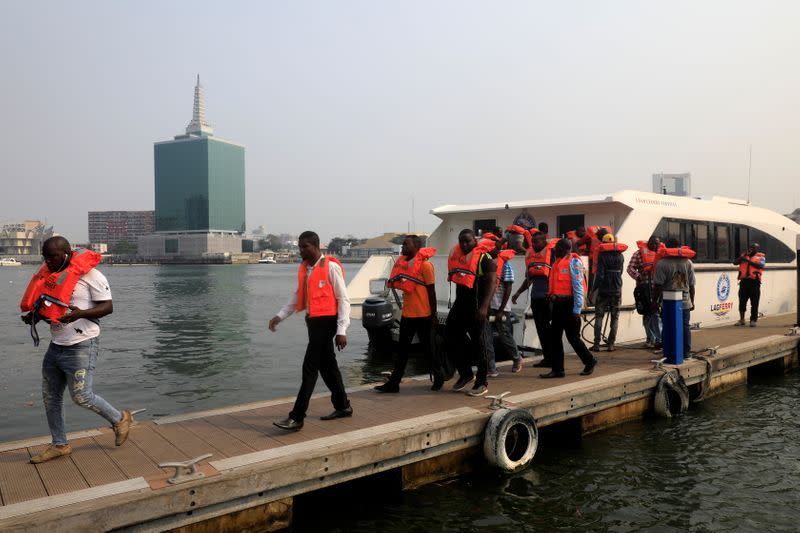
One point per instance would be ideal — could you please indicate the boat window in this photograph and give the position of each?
(565, 223)
(742, 240)
(699, 240)
(775, 250)
(717, 242)
(482, 225)
(722, 243)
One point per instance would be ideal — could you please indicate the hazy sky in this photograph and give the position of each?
(348, 109)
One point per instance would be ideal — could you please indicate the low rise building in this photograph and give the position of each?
(113, 227)
(24, 238)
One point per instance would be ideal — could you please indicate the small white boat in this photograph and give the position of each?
(9, 262)
(267, 261)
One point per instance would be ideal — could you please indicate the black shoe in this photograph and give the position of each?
(438, 383)
(595, 348)
(588, 369)
(339, 413)
(543, 364)
(289, 424)
(552, 374)
(462, 383)
(387, 387)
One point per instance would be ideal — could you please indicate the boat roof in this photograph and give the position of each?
(667, 205)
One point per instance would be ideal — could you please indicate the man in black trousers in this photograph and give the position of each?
(322, 293)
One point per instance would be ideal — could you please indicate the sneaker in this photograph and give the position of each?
(462, 383)
(122, 428)
(437, 384)
(517, 366)
(478, 390)
(387, 387)
(739, 323)
(493, 373)
(51, 452)
(595, 348)
(611, 348)
(752, 323)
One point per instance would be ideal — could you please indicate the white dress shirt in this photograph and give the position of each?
(336, 277)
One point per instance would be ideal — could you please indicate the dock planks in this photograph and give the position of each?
(241, 435)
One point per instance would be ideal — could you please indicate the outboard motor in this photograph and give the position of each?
(377, 316)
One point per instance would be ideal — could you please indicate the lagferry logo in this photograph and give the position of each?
(724, 307)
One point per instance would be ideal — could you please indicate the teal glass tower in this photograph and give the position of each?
(199, 180)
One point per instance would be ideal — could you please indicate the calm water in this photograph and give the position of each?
(185, 338)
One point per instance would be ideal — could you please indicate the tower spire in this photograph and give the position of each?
(199, 125)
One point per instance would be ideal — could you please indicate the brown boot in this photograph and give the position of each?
(51, 452)
(122, 428)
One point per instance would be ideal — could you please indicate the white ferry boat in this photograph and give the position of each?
(9, 262)
(718, 229)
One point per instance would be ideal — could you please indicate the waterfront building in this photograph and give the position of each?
(113, 227)
(199, 192)
(24, 238)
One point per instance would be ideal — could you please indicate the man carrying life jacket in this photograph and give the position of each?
(414, 275)
(674, 272)
(475, 274)
(641, 268)
(608, 289)
(500, 317)
(567, 290)
(751, 268)
(322, 293)
(72, 295)
(538, 262)
(578, 240)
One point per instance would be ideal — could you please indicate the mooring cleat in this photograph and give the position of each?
(794, 332)
(497, 400)
(185, 470)
(658, 364)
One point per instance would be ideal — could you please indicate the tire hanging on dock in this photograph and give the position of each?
(672, 395)
(510, 439)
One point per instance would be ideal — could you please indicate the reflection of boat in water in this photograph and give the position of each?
(718, 229)
(9, 262)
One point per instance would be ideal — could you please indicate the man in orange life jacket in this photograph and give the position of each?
(751, 267)
(322, 293)
(608, 289)
(538, 262)
(675, 272)
(414, 275)
(640, 268)
(500, 316)
(71, 357)
(567, 291)
(474, 273)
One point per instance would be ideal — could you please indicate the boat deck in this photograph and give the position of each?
(244, 435)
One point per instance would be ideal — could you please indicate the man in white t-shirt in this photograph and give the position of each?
(72, 354)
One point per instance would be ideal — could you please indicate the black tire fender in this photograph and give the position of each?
(510, 439)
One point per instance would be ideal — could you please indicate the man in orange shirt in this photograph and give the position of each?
(419, 310)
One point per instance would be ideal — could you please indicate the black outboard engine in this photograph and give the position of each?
(377, 316)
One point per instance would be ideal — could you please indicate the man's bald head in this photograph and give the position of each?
(57, 243)
(56, 251)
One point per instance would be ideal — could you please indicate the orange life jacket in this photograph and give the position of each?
(663, 251)
(538, 263)
(49, 293)
(648, 258)
(561, 277)
(502, 257)
(406, 273)
(519, 230)
(748, 271)
(463, 268)
(594, 245)
(321, 299)
(611, 247)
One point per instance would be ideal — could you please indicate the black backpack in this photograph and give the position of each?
(643, 298)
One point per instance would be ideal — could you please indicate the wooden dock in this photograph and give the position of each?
(256, 469)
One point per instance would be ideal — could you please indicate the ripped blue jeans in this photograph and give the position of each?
(73, 367)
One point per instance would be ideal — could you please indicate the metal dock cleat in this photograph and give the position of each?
(658, 364)
(497, 400)
(794, 332)
(185, 470)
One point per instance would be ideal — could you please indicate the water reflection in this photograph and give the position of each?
(199, 315)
